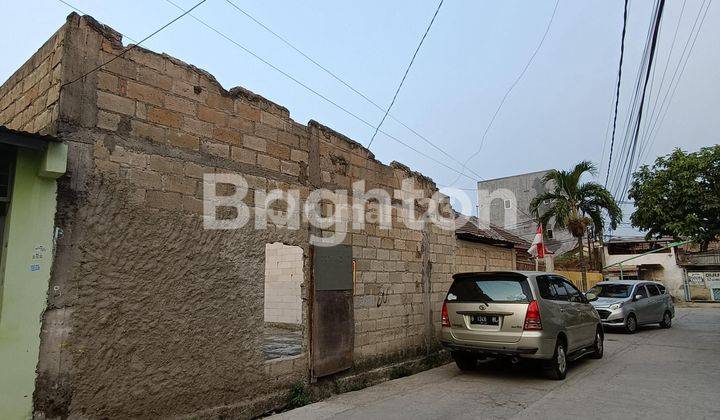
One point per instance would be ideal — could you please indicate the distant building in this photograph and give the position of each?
(702, 273)
(505, 202)
(661, 266)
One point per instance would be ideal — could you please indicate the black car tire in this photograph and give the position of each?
(556, 368)
(631, 324)
(464, 360)
(667, 320)
(599, 346)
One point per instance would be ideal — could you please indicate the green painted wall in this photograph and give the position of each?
(24, 278)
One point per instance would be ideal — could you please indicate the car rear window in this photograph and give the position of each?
(488, 289)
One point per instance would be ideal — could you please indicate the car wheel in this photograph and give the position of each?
(556, 368)
(667, 320)
(464, 361)
(631, 324)
(599, 346)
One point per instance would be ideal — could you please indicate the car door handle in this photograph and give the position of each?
(562, 309)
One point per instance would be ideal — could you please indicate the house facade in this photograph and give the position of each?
(702, 273)
(645, 260)
(29, 167)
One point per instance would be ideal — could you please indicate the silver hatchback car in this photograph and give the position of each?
(519, 315)
(630, 303)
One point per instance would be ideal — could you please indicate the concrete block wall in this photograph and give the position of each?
(161, 316)
(401, 274)
(283, 278)
(28, 99)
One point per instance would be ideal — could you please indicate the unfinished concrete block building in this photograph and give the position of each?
(148, 314)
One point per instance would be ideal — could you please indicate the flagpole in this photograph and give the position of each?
(537, 248)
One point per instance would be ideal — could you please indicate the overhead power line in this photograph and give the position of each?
(332, 74)
(606, 137)
(667, 100)
(318, 94)
(667, 64)
(644, 145)
(617, 90)
(633, 131)
(636, 132)
(186, 12)
(510, 89)
(623, 154)
(407, 70)
(132, 47)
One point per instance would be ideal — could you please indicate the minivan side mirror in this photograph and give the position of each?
(591, 296)
(638, 297)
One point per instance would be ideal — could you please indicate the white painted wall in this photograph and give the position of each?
(283, 277)
(672, 275)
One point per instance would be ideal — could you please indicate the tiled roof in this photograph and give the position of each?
(472, 229)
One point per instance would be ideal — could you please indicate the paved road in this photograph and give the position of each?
(655, 373)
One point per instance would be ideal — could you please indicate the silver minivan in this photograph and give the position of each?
(630, 303)
(519, 315)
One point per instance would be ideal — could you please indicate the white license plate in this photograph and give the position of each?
(484, 320)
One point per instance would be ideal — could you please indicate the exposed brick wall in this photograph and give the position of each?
(162, 317)
(283, 280)
(28, 99)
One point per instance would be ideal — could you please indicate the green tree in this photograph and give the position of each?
(679, 196)
(575, 205)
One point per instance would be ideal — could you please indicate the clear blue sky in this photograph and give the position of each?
(556, 116)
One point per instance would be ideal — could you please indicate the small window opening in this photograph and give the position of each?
(283, 301)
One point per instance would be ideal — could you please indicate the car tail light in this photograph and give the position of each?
(532, 317)
(444, 316)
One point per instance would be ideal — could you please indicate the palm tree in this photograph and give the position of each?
(575, 206)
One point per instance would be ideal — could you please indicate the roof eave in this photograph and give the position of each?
(24, 139)
(483, 240)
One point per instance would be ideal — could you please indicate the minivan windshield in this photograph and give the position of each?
(611, 290)
(482, 289)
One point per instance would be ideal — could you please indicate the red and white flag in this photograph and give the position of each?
(537, 249)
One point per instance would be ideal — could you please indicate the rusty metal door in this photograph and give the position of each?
(333, 324)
